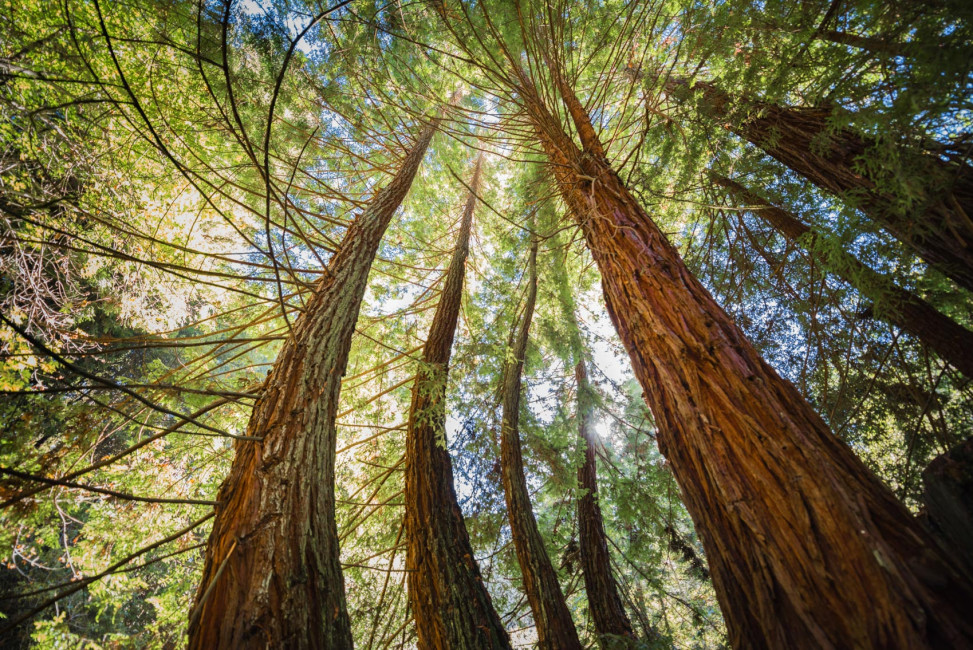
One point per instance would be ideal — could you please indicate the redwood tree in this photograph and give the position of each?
(604, 603)
(807, 548)
(552, 619)
(450, 604)
(272, 576)
(901, 308)
(935, 224)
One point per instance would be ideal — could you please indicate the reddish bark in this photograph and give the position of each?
(449, 601)
(272, 576)
(552, 619)
(938, 226)
(807, 549)
(604, 603)
(905, 310)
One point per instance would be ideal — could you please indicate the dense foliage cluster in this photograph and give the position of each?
(175, 178)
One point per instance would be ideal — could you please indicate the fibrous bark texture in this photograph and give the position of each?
(604, 603)
(272, 577)
(901, 308)
(552, 619)
(807, 548)
(937, 225)
(449, 601)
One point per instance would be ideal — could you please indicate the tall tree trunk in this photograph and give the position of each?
(938, 227)
(449, 601)
(552, 619)
(272, 576)
(948, 493)
(807, 548)
(901, 308)
(604, 603)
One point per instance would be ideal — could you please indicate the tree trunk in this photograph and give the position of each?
(948, 483)
(901, 308)
(604, 603)
(552, 619)
(807, 549)
(938, 227)
(449, 601)
(875, 45)
(867, 43)
(272, 576)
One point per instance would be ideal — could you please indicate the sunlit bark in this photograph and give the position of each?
(272, 576)
(449, 601)
(807, 549)
(555, 628)
(604, 603)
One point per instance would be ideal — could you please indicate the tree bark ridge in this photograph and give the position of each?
(272, 576)
(450, 603)
(552, 619)
(807, 548)
(937, 226)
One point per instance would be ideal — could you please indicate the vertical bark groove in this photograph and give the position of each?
(552, 619)
(806, 547)
(901, 308)
(450, 603)
(272, 576)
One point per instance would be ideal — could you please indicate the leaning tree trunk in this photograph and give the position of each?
(901, 308)
(938, 227)
(877, 46)
(604, 603)
(272, 576)
(948, 496)
(449, 601)
(552, 619)
(807, 548)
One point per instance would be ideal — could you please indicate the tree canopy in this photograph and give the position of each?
(185, 192)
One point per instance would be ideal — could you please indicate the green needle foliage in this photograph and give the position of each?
(175, 177)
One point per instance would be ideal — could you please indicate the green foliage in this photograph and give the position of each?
(176, 177)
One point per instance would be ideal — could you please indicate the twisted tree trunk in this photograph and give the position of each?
(937, 225)
(901, 308)
(552, 619)
(604, 603)
(272, 577)
(807, 549)
(449, 601)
